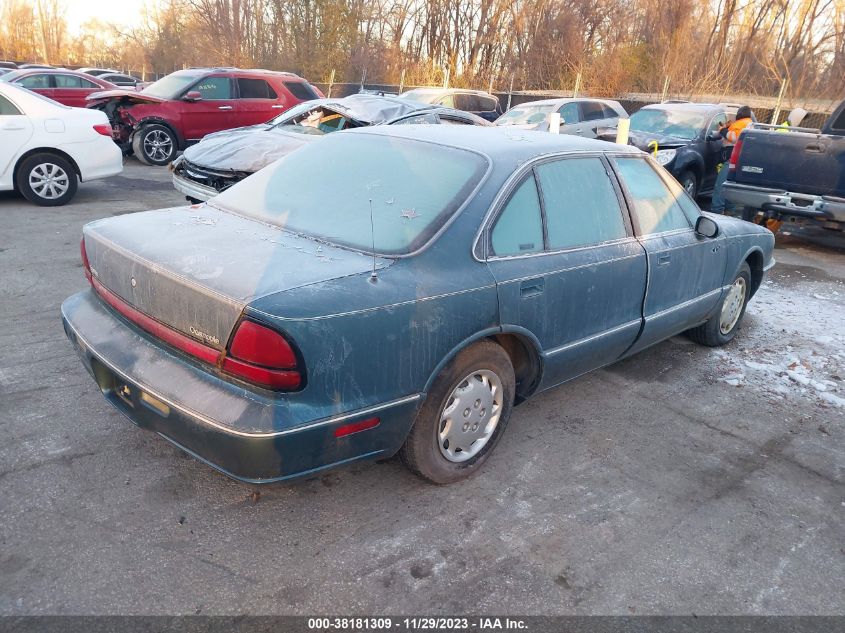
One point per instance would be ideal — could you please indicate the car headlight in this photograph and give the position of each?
(665, 156)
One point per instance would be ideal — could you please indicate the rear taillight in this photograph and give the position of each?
(85, 263)
(104, 129)
(260, 355)
(735, 155)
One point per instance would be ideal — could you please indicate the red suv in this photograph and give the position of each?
(65, 86)
(182, 107)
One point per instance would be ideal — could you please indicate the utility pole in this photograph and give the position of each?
(776, 113)
(510, 92)
(577, 85)
(665, 90)
(401, 81)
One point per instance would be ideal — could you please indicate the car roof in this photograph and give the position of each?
(685, 107)
(497, 142)
(562, 100)
(245, 71)
(451, 91)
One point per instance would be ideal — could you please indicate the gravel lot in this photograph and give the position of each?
(683, 480)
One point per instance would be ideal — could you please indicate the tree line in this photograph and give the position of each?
(701, 46)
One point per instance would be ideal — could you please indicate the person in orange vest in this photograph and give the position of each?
(730, 135)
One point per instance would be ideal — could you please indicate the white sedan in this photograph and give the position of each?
(47, 148)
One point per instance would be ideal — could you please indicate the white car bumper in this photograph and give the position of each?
(97, 158)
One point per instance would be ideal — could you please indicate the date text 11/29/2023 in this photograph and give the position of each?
(421, 623)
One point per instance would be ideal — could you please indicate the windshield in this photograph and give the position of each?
(171, 86)
(307, 118)
(422, 95)
(326, 191)
(684, 124)
(525, 115)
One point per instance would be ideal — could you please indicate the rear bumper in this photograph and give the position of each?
(786, 204)
(193, 189)
(247, 436)
(98, 158)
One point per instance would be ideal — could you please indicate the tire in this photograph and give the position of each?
(690, 183)
(427, 450)
(155, 144)
(46, 179)
(715, 331)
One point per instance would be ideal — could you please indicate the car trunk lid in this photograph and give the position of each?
(194, 269)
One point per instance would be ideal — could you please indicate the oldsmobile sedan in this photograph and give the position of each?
(398, 289)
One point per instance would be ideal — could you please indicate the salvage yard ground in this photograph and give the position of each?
(683, 480)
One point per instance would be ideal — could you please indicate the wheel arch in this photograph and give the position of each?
(694, 163)
(522, 347)
(155, 120)
(43, 150)
(755, 260)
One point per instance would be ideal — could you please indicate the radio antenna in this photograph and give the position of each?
(373, 275)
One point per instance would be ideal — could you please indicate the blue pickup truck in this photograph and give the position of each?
(797, 176)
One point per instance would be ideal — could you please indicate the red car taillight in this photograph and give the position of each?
(85, 264)
(735, 155)
(104, 129)
(260, 355)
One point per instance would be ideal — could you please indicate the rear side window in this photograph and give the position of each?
(592, 111)
(519, 229)
(655, 208)
(468, 103)
(34, 82)
(7, 107)
(255, 89)
(301, 90)
(214, 88)
(839, 123)
(609, 113)
(72, 81)
(580, 202)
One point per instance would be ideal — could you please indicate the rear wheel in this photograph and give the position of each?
(722, 327)
(463, 417)
(48, 180)
(154, 144)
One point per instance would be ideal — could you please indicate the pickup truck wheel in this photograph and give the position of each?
(463, 416)
(48, 180)
(690, 183)
(154, 145)
(725, 323)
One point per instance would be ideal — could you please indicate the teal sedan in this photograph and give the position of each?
(398, 290)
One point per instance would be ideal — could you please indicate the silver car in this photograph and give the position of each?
(581, 116)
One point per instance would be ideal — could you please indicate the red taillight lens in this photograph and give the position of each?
(260, 355)
(104, 129)
(356, 427)
(735, 155)
(85, 264)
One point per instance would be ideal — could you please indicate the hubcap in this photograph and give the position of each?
(732, 307)
(689, 185)
(49, 181)
(157, 145)
(470, 416)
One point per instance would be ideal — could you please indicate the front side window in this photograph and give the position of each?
(569, 113)
(655, 208)
(580, 202)
(519, 228)
(34, 82)
(448, 101)
(525, 115)
(255, 89)
(327, 190)
(713, 128)
(214, 88)
(592, 111)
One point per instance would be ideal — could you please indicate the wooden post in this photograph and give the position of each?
(665, 90)
(776, 113)
(331, 84)
(510, 92)
(577, 85)
(363, 78)
(490, 87)
(446, 78)
(401, 81)
(554, 123)
(622, 131)
(143, 72)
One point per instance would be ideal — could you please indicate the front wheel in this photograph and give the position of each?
(154, 145)
(690, 183)
(48, 180)
(463, 416)
(722, 327)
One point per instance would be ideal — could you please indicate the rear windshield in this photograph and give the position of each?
(325, 190)
(301, 90)
(525, 115)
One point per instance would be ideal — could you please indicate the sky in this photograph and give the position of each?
(123, 12)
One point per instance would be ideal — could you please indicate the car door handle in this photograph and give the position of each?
(663, 259)
(815, 147)
(224, 107)
(277, 107)
(13, 126)
(532, 287)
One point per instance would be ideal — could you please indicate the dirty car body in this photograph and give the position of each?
(430, 243)
(220, 160)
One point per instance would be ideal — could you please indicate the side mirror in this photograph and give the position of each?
(706, 227)
(192, 95)
(714, 137)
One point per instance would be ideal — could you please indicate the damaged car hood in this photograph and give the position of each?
(245, 149)
(640, 140)
(133, 95)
